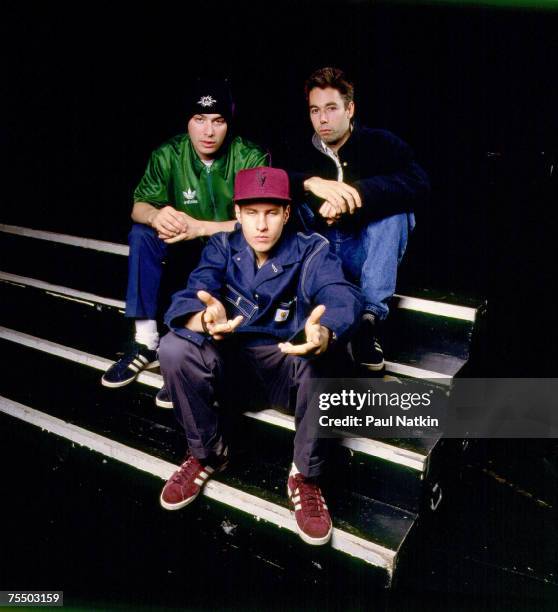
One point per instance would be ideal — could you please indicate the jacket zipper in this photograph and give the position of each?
(210, 187)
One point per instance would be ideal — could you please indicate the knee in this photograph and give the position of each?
(173, 350)
(141, 233)
(394, 226)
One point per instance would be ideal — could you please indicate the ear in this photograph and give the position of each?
(351, 109)
(237, 213)
(286, 213)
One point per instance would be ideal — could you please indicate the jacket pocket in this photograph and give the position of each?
(240, 304)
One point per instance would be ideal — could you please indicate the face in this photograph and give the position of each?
(207, 133)
(262, 225)
(329, 116)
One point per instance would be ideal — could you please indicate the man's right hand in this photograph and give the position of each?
(341, 197)
(168, 222)
(215, 316)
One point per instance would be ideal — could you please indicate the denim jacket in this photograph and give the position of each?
(276, 299)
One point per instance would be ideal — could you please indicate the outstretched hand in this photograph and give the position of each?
(317, 336)
(215, 316)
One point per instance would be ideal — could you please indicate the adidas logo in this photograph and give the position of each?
(190, 196)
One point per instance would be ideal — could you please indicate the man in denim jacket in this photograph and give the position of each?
(268, 307)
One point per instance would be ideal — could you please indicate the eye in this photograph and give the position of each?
(313, 111)
(220, 121)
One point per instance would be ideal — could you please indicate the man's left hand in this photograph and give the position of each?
(317, 336)
(194, 229)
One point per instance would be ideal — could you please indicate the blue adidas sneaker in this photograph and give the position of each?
(126, 369)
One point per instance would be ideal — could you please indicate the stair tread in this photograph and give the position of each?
(19, 313)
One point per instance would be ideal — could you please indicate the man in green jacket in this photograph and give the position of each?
(184, 195)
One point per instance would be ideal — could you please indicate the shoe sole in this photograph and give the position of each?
(168, 405)
(375, 367)
(179, 505)
(303, 536)
(189, 500)
(115, 385)
(161, 404)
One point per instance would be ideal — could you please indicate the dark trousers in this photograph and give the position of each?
(146, 264)
(198, 377)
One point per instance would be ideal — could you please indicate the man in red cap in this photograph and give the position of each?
(269, 307)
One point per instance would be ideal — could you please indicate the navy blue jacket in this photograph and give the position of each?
(276, 299)
(378, 164)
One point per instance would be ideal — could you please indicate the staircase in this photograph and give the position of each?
(61, 315)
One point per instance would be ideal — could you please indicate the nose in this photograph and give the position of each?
(261, 224)
(323, 116)
(208, 128)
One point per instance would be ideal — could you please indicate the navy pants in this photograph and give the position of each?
(146, 265)
(218, 372)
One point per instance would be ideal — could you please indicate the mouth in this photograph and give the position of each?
(325, 131)
(208, 143)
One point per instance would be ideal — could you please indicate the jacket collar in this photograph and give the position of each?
(219, 163)
(356, 132)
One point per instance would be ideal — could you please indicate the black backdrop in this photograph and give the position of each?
(91, 89)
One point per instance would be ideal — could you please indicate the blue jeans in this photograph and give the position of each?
(370, 255)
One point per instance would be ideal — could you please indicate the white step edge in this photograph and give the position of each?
(443, 309)
(352, 545)
(91, 299)
(373, 448)
(86, 243)
(412, 372)
(81, 296)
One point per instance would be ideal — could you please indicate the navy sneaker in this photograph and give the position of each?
(367, 349)
(163, 399)
(125, 370)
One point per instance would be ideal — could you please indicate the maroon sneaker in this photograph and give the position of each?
(186, 483)
(312, 517)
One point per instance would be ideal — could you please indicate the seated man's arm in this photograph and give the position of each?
(401, 186)
(199, 297)
(337, 304)
(203, 229)
(166, 221)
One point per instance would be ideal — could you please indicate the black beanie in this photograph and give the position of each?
(210, 97)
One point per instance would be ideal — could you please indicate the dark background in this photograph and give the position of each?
(91, 89)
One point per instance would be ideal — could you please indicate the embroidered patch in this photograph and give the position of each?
(206, 101)
(281, 315)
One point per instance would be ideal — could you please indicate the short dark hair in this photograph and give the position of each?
(331, 77)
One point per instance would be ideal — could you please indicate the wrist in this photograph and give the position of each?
(202, 231)
(204, 323)
(151, 217)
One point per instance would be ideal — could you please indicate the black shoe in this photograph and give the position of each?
(163, 399)
(366, 347)
(125, 370)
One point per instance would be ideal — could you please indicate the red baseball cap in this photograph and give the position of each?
(261, 183)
